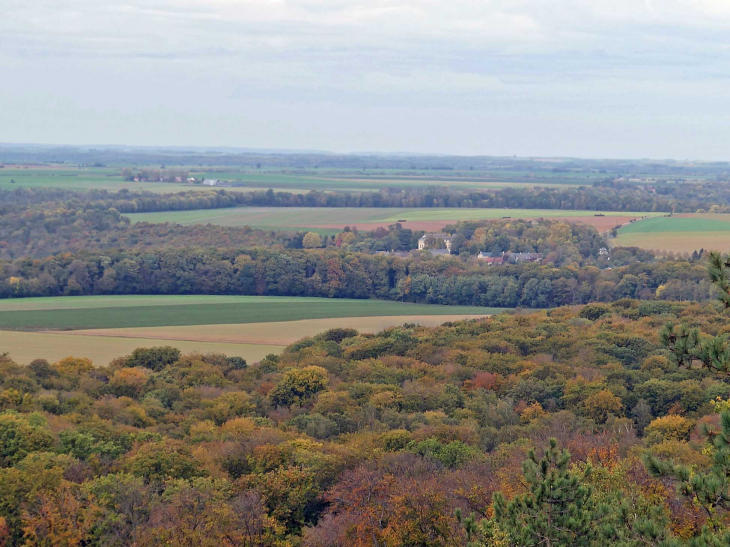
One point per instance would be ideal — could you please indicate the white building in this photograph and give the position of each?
(427, 241)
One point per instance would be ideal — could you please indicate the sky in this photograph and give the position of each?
(584, 78)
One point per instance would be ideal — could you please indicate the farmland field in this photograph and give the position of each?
(370, 218)
(375, 180)
(138, 311)
(23, 347)
(97, 179)
(273, 333)
(103, 327)
(109, 178)
(678, 233)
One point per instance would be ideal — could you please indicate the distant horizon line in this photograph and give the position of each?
(311, 152)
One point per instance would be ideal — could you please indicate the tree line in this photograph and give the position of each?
(337, 273)
(606, 195)
(38, 233)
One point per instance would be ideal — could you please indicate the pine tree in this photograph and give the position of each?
(718, 270)
(687, 345)
(709, 489)
(559, 509)
(621, 526)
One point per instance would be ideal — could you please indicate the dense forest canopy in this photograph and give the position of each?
(71, 248)
(347, 439)
(342, 274)
(608, 195)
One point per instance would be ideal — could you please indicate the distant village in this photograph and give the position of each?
(439, 244)
(173, 176)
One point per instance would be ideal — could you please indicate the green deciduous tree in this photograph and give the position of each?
(312, 240)
(21, 435)
(155, 358)
(299, 385)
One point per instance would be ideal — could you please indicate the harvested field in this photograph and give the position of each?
(23, 347)
(677, 242)
(247, 326)
(279, 333)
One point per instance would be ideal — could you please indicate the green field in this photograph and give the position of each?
(376, 180)
(277, 217)
(136, 311)
(105, 327)
(678, 233)
(679, 224)
(303, 180)
(83, 179)
(109, 178)
(97, 179)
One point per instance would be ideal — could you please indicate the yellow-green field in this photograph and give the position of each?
(252, 341)
(678, 233)
(72, 177)
(366, 218)
(105, 327)
(101, 179)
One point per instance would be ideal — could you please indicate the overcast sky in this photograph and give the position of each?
(592, 78)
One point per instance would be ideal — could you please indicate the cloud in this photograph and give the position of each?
(458, 59)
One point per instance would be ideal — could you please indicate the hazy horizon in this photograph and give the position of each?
(302, 151)
(537, 78)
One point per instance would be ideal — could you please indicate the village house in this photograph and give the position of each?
(428, 241)
(525, 257)
(491, 260)
(399, 254)
(439, 252)
(211, 182)
(509, 257)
